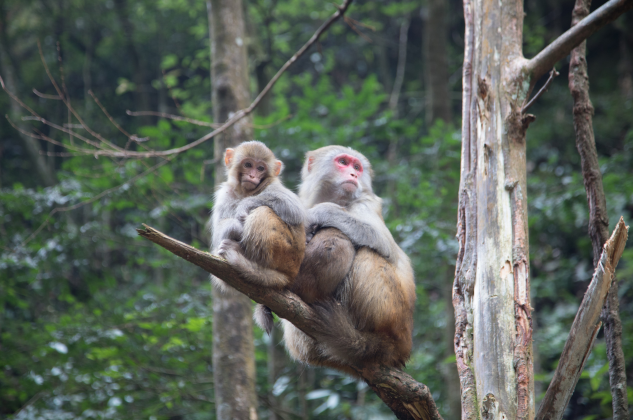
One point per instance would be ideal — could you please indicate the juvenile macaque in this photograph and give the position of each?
(258, 224)
(354, 274)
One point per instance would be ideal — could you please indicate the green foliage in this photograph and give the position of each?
(97, 323)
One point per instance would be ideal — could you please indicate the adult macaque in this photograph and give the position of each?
(354, 274)
(258, 224)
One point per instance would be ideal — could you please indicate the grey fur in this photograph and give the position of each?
(360, 233)
(229, 210)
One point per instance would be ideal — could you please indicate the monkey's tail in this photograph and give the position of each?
(347, 344)
(263, 317)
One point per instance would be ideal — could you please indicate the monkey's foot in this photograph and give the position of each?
(229, 250)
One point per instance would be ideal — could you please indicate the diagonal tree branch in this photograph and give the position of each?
(128, 154)
(563, 45)
(598, 216)
(584, 329)
(407, 398)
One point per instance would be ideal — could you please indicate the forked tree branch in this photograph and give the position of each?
(563, 45)
(406, 397)
(598, 214)
(118, 152)
(584, 329)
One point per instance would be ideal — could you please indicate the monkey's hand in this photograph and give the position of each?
(229, 250)
(361, 233)
(320, 214)
(245, 207)
(311, 230)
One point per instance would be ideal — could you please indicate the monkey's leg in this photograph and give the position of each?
(328, 259)
(250, 270)
(273, 244)
(379, 302)
(306, 350)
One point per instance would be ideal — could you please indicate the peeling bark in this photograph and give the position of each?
(491, 293)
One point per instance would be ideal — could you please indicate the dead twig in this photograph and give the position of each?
(584, 329)
(132, 137)
(171, 117)
(350, 22)
(552, 74)
(123, 153)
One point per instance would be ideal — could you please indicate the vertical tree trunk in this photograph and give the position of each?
(233, 348)
(141, 94)
(438, 100)
(491, 292)
(43, 167)
(276, 363)
(598, 216)
(449, 371)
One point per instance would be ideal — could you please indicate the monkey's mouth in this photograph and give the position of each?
(249, 185)
(350, 185)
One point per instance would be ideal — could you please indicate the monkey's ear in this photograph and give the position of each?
(310, 162)
(228, 156)
(279, 166)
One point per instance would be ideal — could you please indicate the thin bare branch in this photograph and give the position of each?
(407, 398)
(172, 117)
(598, 214)
(122, 153)
(355, 29)
(92, 199)
(552, 74)
(46, 138)
(46, 96)
(70, 107)
(563, 45)
(107, 114)
(402, 61)
(584, 329)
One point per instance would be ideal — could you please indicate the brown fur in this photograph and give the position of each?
(367, 298)
(258, 224)
(273, 244)
(329, 257)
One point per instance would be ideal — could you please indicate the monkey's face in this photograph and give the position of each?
(349, 170)
(252, 173)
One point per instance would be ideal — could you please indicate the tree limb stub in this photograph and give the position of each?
(584, 329)
(563, 45)
(407, 398)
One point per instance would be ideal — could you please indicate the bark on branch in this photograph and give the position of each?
(598, 215)
(563, 45)
(584, 329)
(407, 398)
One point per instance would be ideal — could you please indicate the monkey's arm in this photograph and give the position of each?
(229, 228)
(361, 233)
(280, 199)
(224, 224)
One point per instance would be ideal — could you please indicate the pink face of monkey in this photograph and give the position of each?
(349, 169)
(252, 172)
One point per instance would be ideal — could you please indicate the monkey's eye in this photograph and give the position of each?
(342, 162)
(357, 167)
(248, 165)
(260, 168)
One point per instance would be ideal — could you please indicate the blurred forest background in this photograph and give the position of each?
(96, 322)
